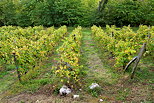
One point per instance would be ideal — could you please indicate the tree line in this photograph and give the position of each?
(76, 12)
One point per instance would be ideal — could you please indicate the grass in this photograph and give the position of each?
(97, 71)
(6, 79)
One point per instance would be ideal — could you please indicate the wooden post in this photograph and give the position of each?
(138, 59)
(130, 63)
(17, 68)
(143, 49)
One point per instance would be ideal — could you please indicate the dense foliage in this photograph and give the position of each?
(44, 12)
(30, 45)
(125, 12)
(124, 43)
(76, 12)
(33, 45)
(68, 67)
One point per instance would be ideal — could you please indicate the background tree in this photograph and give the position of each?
(125, 12)
(76, 12)
(7, 12)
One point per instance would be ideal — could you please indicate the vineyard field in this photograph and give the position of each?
(35, 62)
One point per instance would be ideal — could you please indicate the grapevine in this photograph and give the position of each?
(123, 43)
(31, 45)
(68, 67)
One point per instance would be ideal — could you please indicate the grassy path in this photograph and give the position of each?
(7, 79)
(97, 71)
